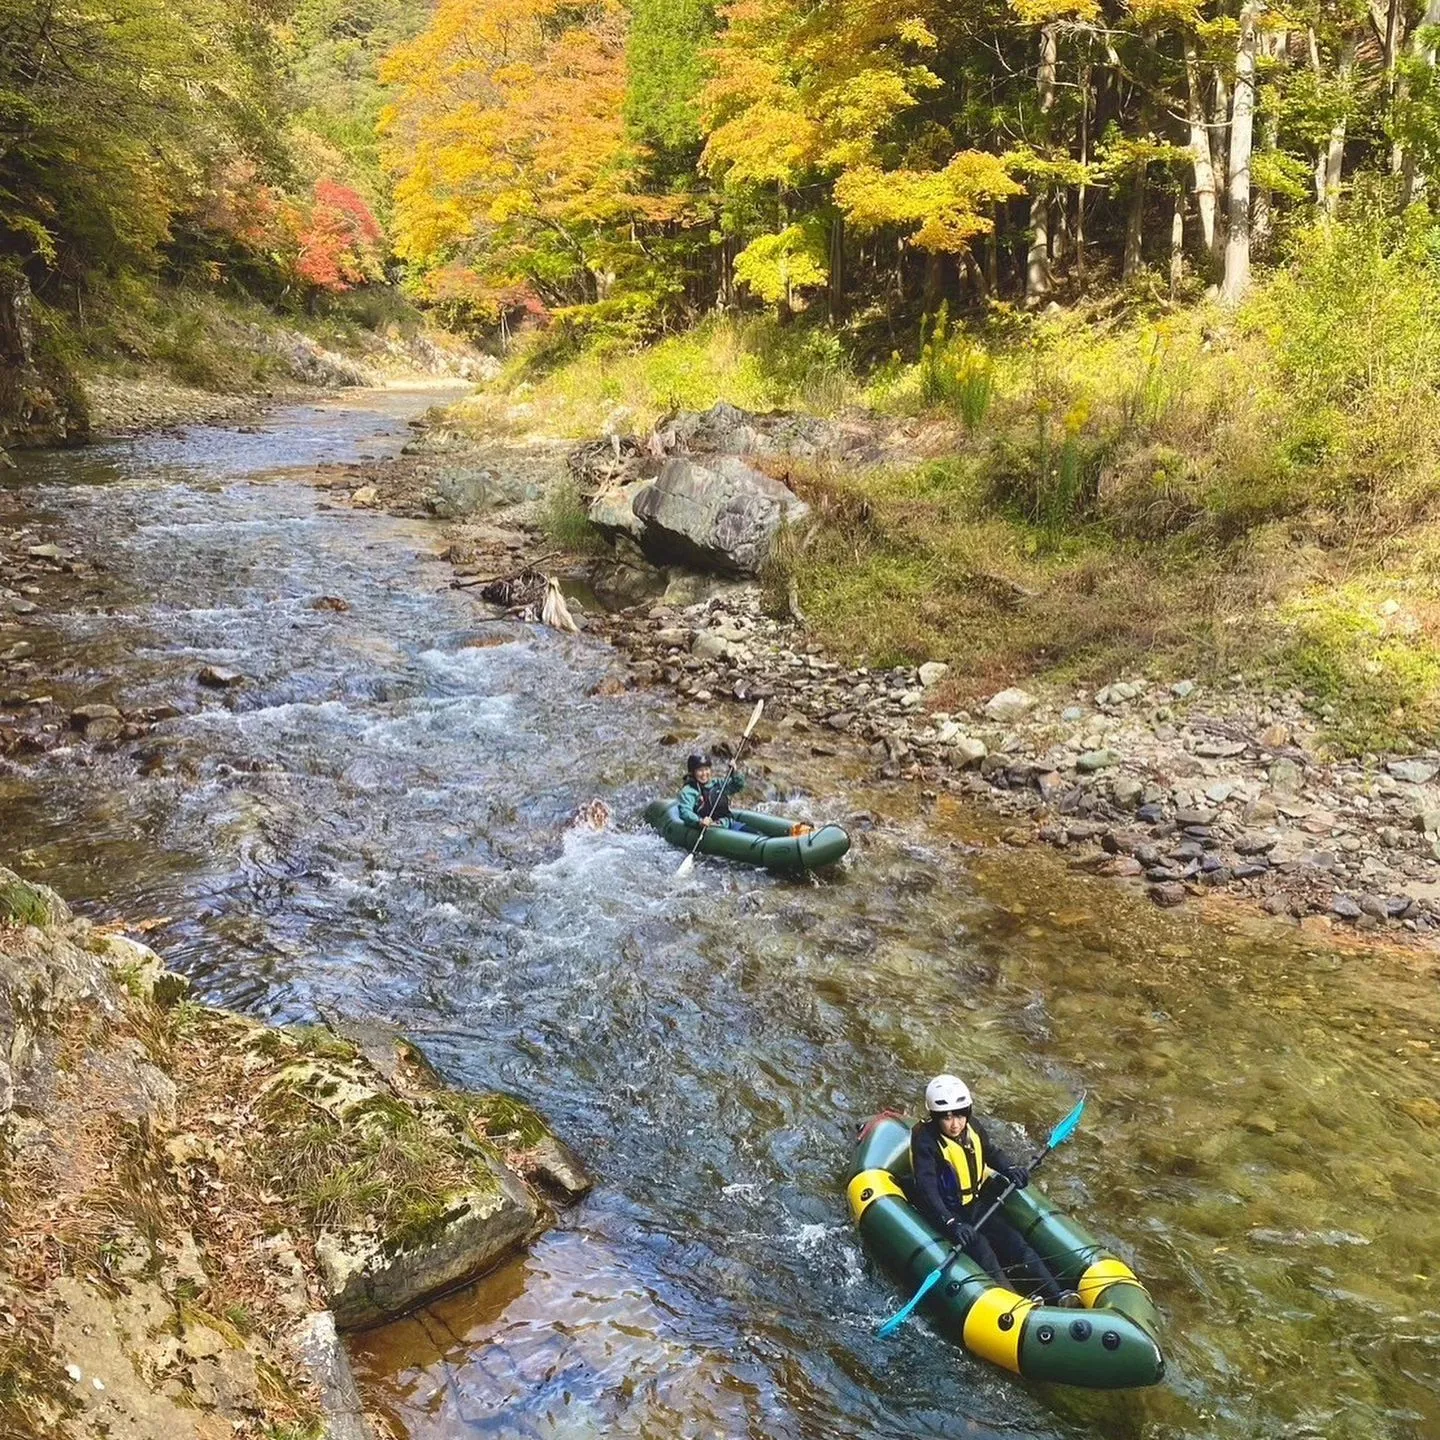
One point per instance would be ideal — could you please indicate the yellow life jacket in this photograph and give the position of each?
(967, 1163)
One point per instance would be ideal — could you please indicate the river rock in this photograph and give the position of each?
(612, 509)
(966, 750)
(1125, 790)
(1010, 705)
(367, 497)
(556, 1166)
(1428, 822)
(1413, 772)
(1219, 749)
(720, 515)
(707, 645)
(1286, 777)
(727, 430)
(1345, 908)
(1168, 894)
(317, 1343)
(1093, 760)
(44, 552)
(1183, 689)
(84, 715)
(372, 1277)
(216, 677)
(472, 490)
(932, 673)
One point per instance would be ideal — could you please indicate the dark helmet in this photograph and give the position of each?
(698, 762)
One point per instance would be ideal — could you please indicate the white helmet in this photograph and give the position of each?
(945, 1093)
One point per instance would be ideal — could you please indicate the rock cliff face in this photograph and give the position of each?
(194, 1202)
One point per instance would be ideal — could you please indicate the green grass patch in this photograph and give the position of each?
(22, 904)
(385, 1165)
(1377, 683)
(566, 523)
(757, 364)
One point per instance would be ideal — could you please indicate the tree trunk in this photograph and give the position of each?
(1038, 280)
(1263, 221)
(837, 268)
(1332, 162)
(1134, 256)
(1412, 182)
(17, 325)
(1085, 160)
(1200, 148)
(992, 251)
(931, 295)
(1220, 132)
(1242, 135)
(1177, 244)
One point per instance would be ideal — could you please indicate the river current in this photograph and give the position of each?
(375, 825)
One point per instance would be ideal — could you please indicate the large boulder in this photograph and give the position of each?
(721, 514)
(370, 1277)
(612, 509)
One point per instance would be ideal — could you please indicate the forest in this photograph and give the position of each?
(1166, 275)
(629, 167)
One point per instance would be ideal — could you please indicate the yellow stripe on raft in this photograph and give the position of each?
(989, 1334)
(1100, 1276)
(866, 1188)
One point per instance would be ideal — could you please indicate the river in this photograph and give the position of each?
(374, 824)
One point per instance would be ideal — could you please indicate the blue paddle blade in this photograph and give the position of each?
(1067, 1127)
(901, 1316)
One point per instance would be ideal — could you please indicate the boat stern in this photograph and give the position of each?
(1100, 1349)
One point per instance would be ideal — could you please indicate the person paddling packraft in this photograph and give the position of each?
(705, 801)
(951, 1158)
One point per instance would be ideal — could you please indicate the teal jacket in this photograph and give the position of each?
(713, 801)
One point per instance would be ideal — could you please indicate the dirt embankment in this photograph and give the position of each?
(193, 1202)
(1188, 789)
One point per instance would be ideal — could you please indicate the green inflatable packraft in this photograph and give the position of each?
(1110, 1344)
(787, 847)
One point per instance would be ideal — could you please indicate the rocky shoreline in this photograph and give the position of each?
(197, 1203)
(1188, 789)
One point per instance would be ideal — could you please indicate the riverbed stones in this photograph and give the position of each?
(1167, 893)
(932, 673)
(1219, 749)
(1095, 760)
(1286, 777)
(1010, 705)
(966, 750)
(1413, 772)
(708, 645)
(217, 677)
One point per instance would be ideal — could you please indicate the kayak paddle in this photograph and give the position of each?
(1062, 1132)
(688, 863)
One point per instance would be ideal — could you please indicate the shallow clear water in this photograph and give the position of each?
(375, 824)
